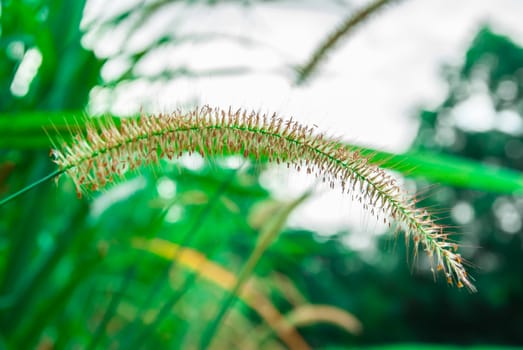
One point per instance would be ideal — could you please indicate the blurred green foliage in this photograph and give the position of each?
(490, 224)
(71, 275)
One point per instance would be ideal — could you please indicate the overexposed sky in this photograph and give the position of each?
(374, 78)
(367, 91)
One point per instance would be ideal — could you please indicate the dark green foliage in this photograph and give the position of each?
(495, 227)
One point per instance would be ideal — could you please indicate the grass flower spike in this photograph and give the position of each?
(106, 151)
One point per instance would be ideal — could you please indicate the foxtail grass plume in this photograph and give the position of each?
(106, 151)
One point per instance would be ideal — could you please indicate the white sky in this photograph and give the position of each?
(367, 90)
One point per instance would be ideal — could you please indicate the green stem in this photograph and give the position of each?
(31, 186)
(267, 237)
(111, 308)
(244, 275)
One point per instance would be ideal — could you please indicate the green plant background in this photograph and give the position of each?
(72, 275)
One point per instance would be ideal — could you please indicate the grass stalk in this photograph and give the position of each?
(266, 238)
(29, 187)
(347, 27)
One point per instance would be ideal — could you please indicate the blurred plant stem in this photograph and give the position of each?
(267, 236)
(346, 28)
(139, 336)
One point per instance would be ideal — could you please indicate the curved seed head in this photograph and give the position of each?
(106, 151)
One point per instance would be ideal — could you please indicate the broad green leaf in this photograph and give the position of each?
(28, 131)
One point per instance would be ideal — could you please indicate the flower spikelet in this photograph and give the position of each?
(106, 151)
